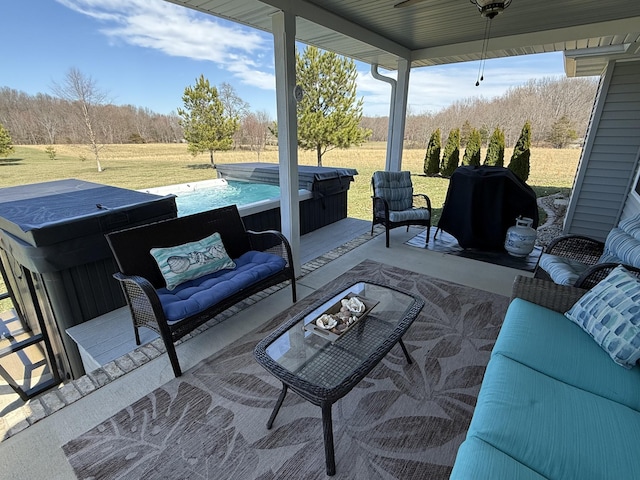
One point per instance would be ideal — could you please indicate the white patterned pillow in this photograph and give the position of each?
(610, 313)
(192, 260)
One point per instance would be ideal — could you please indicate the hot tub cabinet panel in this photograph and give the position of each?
(52, 235)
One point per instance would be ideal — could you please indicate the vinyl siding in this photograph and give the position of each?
(609, 158)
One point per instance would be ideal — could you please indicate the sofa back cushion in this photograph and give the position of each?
(395, 187)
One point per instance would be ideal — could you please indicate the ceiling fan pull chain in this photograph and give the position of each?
(485, 43)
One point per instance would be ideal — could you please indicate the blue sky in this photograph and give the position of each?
(145, 52)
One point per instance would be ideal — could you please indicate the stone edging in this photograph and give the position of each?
(54, 400)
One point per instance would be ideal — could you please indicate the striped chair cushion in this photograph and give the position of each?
(562, 270)
(409, 215)
(395, 187)
(619, 244)
(631, 225)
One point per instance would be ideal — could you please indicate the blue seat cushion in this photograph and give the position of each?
(552, 428)
(550, 343)
(194, 296)
(478, 460)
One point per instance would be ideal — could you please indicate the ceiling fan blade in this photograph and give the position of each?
(407, 3)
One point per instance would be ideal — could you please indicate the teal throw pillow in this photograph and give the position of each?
(610, 313)
(192, 260)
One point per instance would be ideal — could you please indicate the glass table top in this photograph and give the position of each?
(321, 362)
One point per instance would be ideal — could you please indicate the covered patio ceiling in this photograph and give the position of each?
(435, 32)
(420, 33)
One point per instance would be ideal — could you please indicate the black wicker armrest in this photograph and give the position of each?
(380, 207)
(275, 242)
(420, 200)
(559, 298)
(576, 247)
(142, 298)
(593, 275)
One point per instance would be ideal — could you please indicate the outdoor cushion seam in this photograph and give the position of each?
(561, 381)
(505, 453)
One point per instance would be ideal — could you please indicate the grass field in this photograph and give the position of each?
(142, 166)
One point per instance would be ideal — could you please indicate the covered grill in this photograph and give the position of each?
(482, 203)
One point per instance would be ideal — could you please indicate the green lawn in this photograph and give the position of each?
(143, 166)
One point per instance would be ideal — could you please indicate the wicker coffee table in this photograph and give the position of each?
(321, 370)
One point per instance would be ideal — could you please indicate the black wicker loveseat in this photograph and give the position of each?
(254, 262)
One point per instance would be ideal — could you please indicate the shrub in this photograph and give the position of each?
(495, 150)
(51, 152)
(472, 150)
(519, 163)
(451, 154)
(432, 158)
(6, 145)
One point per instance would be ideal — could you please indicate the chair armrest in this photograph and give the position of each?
(592, 276)
(559, 298)
(276, 242)
(577, 247)
(420, 200)
(144, 303)
(380, 207)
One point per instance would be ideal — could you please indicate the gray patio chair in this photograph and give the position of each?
(395, 204)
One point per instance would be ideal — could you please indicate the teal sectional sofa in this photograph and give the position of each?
(553, 404)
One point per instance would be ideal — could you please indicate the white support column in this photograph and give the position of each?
(398, 116)
(284, 33)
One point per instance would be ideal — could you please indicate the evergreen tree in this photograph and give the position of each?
(451, 154)
(6, 144)
(432, 158)
(465, 133)
(328, 113)
(495, 150)
(207, 126)
(472, 151)
(519, 163)
(562, 132)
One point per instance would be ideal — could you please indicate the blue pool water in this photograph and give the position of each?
(233, 192)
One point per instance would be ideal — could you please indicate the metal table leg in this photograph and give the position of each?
(276, 409)
(327, 429)
(406, 353)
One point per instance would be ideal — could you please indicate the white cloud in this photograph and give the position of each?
(434, 88)
(181, 32)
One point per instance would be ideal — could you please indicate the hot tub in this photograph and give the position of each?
(323, 193)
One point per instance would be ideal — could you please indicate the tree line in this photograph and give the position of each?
(557, 109)
(78, 112)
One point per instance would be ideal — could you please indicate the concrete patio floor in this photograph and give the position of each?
(36, 451)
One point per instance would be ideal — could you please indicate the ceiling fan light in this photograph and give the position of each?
(491, 8)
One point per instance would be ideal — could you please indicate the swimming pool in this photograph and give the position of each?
(200, 196)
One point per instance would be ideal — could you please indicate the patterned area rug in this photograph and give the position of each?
(402, 421)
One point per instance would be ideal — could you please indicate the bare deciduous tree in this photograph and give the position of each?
(255, 131)
(83, 93)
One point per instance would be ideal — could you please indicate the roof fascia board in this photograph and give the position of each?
(546, 37)
(330, 20)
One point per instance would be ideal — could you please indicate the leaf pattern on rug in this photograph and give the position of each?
(402, 421)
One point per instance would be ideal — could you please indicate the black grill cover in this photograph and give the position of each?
(482, 203)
